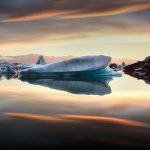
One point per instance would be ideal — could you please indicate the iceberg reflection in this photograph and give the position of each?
(71, 85)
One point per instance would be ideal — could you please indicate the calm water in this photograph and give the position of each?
(52, 114)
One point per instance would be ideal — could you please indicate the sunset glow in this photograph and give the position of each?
(115, 28)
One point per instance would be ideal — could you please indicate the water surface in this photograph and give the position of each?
(74, 114)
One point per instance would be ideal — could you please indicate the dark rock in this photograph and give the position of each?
(117, 67)
(139, 70)
(113, 66)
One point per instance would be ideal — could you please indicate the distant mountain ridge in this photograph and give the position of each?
(120, 60)
(32, 59)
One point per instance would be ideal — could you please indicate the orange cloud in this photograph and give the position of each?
(109, 12)
(70, 10)
(36, 15)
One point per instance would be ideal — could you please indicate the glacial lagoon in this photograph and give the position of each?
(110, 113)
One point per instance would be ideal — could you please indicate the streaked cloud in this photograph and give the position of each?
(95, 26)
(32, 10)
(111, 11)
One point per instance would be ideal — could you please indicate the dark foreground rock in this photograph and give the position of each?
(117, 67)
(139, 70)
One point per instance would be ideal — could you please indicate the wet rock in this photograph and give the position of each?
(113, 66)
(117, 67)
(140, 69)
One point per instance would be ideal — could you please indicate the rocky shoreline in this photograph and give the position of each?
(139, 70)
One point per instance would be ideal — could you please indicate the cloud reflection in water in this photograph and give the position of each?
(66, 130)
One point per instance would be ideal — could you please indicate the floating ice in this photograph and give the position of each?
(25, 66)
(41, 61)
(7, 68)
(88, 66)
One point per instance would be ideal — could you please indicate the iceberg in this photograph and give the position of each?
(41, 61)
(7, 68)
(74, 86)
(25, 66)
(86, 66)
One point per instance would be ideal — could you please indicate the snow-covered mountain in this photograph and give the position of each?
(125, 60)
(32, 59)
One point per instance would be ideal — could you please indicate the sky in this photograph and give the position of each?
(118, 28)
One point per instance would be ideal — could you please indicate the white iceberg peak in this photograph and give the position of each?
(81, 66)
(85, 63)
